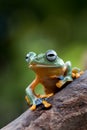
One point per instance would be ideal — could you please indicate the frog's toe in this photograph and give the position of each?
(46, 104)
(77, 75)
(33, 107)
(49, 95)
(59, 84)
(73, 75)
(46, 95)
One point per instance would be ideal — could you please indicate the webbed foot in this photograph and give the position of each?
(39, 101)
(76, 73)
(36, 102)
(60, 83)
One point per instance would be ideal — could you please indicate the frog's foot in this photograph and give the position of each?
(39, 101)
(36, 102)
(77, 74)
(46, 104)
(46, 95)
(59, 84)
(33, 107)
(27, 100)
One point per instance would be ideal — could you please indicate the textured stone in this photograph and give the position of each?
(68, 111)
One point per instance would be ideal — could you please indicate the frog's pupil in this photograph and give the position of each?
(51, 55)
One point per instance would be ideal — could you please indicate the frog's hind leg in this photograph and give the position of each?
(45, 96)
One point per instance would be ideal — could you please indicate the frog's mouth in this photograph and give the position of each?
(41, 66)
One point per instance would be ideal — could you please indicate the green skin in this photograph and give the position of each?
(40, 60)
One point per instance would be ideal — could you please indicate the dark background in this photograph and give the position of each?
(30, 25)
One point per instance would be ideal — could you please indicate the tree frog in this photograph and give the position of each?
(51, 72)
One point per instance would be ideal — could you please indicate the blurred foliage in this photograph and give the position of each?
(30, 25)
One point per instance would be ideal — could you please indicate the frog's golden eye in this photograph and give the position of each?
(51, 55)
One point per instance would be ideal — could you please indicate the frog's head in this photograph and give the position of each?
(48, 59)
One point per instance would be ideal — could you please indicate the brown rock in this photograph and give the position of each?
(68, 112)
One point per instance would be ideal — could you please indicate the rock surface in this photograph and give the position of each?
(68, 111)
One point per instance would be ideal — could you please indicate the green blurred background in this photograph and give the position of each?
(35, 25)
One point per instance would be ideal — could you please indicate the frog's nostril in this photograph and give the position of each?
(51, 55)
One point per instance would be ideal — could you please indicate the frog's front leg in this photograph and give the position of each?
(31, 94)
(67, 77)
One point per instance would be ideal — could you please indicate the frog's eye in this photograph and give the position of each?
(27, 57)
(30, 56)
(51, 55)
